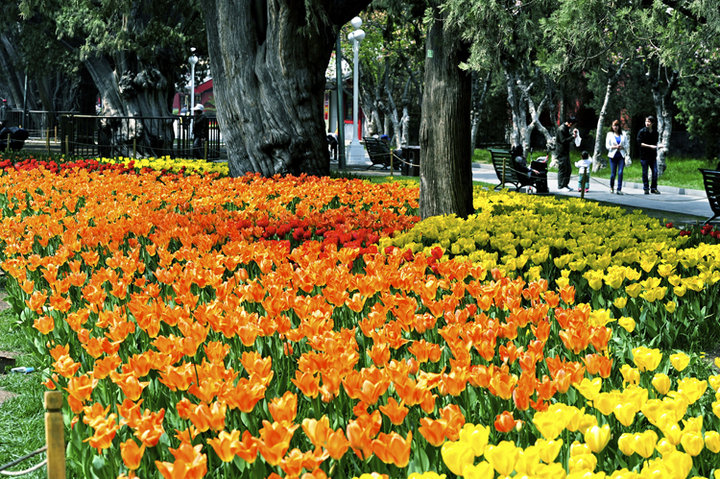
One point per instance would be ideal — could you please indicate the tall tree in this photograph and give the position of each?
(445, 152)
(134, 51)
(268, 59)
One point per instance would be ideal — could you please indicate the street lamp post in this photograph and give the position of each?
(356, 152)
(193, 61)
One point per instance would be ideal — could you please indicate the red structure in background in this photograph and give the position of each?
(203, 95)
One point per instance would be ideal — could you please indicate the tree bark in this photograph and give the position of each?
(134, 91)
(478, 103)
(662, 90)
(600, 160)
(445, 153)
(268, 62)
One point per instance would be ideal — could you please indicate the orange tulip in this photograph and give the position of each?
(505, 422)
(393, 449)
(189, 463)
(274, 441)
(394, 411)
(284, 408)
(131, 454)
(225, 444)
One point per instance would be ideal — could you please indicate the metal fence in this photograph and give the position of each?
(40, 124)
(87, 135)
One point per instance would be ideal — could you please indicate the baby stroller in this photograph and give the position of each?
(17, 137)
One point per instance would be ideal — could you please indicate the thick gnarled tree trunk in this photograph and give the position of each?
(445, 153)
(268, 59)
(134, 91)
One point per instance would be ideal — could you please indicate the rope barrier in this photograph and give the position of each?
(21, 459)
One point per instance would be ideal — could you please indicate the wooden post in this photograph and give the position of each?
(134, 147)
(7, 145)
(67, 145)
(205, 144)
(56, 134)
(54, 435)
(47, 141)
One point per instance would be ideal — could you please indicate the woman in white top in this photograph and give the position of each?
(618, 147)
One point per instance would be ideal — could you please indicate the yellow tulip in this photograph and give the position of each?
(549, 471)
(714, 382)
(716, 408)
(476, 437)
(502, 457)
(717, 362)
(426, 475)
(644, 443)
(665, 446)
(597, 437)
(691, 388)
(646, 359)
(661, 383)
(628, 324)
(578, 448)
(625, 444)
(479, 471)
(679, 360)
(692, 443)
(630, 374)
(606, 402)
(693, 424)
(712, 441)
(633, 289)
(673, 433)
(548, 450)
(670, 307)
(678, 464)
(625, 413)
(527, 461)
(457, 455)
(582, 463)
(589, 388)
(620, 302)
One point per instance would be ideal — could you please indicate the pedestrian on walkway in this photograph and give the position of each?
(200, 130)
(647, 140)
(583, 165)
(563, 138)
(618, 147)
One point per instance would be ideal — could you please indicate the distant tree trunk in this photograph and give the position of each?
(445, 154)
(12, 77)
(134, 91)
(479, 92)
(663, 85)
(268, 62)
(600, 160)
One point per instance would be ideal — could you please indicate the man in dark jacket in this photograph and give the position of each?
(647, 140)
(563, 139)
(200, 131)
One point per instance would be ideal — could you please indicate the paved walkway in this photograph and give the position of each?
(674, 200)
(680, 205)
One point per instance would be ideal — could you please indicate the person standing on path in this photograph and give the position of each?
(563, 138)
(200, 130)
(618, 147)
(647, 140)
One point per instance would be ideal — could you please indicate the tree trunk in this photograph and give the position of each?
(662, 91)
(445, 155)
(134, 92)
(268, 63)
(600, 160)
(478, 103)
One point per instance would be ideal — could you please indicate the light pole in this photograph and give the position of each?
(193, 61)
(356, 152)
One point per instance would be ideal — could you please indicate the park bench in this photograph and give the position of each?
(502, 163)
(711, 179)
(380, 153)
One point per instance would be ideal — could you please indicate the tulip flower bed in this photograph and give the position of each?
(215, 327)
(666, 278)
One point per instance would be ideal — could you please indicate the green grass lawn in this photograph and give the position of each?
(680, 172)
(22, 428)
